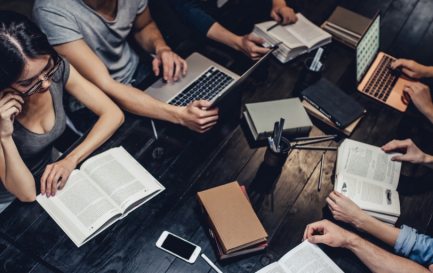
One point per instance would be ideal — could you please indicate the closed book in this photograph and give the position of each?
(346, 26)
(261, 117)
(232, 218)
(314, 112)
(330, 100)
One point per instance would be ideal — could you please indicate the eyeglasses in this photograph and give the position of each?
(46, 76)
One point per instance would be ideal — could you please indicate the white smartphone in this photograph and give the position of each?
(178, 247)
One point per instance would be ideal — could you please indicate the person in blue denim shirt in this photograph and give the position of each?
(195, 15)
(406, 241)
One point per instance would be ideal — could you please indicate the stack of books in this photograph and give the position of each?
(261, 117)
(293, 40)
(346, 26)
(233, 224)
(369, 177)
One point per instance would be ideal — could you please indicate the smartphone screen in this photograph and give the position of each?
(178, 246)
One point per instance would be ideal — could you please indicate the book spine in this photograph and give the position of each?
(322, 111)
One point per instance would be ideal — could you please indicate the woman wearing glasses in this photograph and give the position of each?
(32, 81)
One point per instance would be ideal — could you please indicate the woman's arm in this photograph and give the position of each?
(14, 174)
(110, 118)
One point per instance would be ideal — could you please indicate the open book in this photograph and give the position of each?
(107, 187)
(298, 38)
(306, 257)
(367, 175)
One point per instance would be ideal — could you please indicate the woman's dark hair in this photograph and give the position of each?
(19, 38)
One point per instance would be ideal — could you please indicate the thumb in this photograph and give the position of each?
(316, 239)
(399, 158)
(204, 104)
(430, 268)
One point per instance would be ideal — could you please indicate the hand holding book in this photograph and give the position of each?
(344, 209)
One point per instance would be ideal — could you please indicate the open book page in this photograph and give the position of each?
(290, 40)
(80, 208)
(122, 178)
(272, 268)
(307, 257)
(308, 33)
(368, 162)
(369, 196)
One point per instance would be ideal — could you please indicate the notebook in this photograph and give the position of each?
(232, 217)
(261, 116)
(330, 100)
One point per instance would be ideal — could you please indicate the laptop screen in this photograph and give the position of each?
(367, 48)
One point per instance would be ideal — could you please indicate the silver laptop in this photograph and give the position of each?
(205, 80)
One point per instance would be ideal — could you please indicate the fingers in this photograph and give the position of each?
(275, 16)
(254, 39)
(173, 66)
(400, 63)
(331, 203)
(430, 268)
(314, 228)
(53, 178)
(156, 63)
(396, 145)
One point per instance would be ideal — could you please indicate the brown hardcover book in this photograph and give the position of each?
(346, 26)
(232, 217)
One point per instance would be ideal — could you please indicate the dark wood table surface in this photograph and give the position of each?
(285, 201)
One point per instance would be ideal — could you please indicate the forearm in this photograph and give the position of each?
(104, 128)
(139, 103)
(220, 34)
(379, 260)
(16, 176)
(150, 38)
(384, 232)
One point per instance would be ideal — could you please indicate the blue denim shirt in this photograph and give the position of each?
(194, 14)
(417, 247)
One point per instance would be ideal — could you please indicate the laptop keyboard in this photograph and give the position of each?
(206, 87)
(383, 80)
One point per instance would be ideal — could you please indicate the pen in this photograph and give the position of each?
(313, 138)
(315, 141)
(154, 129)
(273, 26)
(214, 267)
(280, 133)
(319, 183)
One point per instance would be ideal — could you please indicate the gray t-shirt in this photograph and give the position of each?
(65, 21)
(36, 149)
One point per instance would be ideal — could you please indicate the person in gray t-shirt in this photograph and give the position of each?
(92, 35)
(33, 78)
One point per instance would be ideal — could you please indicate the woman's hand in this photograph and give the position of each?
(198, 116)
(56, 175)
(410, 152)
(10, 106)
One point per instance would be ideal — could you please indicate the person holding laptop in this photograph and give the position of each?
(200, 19)
(418, 92)
(406, 241)
(33, 78)
(92, 36)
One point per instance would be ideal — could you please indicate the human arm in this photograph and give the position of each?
(410, 152)
(131, 99)
(110, 117)
(413, 69)
(344, 209)
(14, 174)
(375, 258)
(148, 36)
(282, 13)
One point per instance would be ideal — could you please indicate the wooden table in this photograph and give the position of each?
(285, 202)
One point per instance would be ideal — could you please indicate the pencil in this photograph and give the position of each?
(319, 183)
(273, 26)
